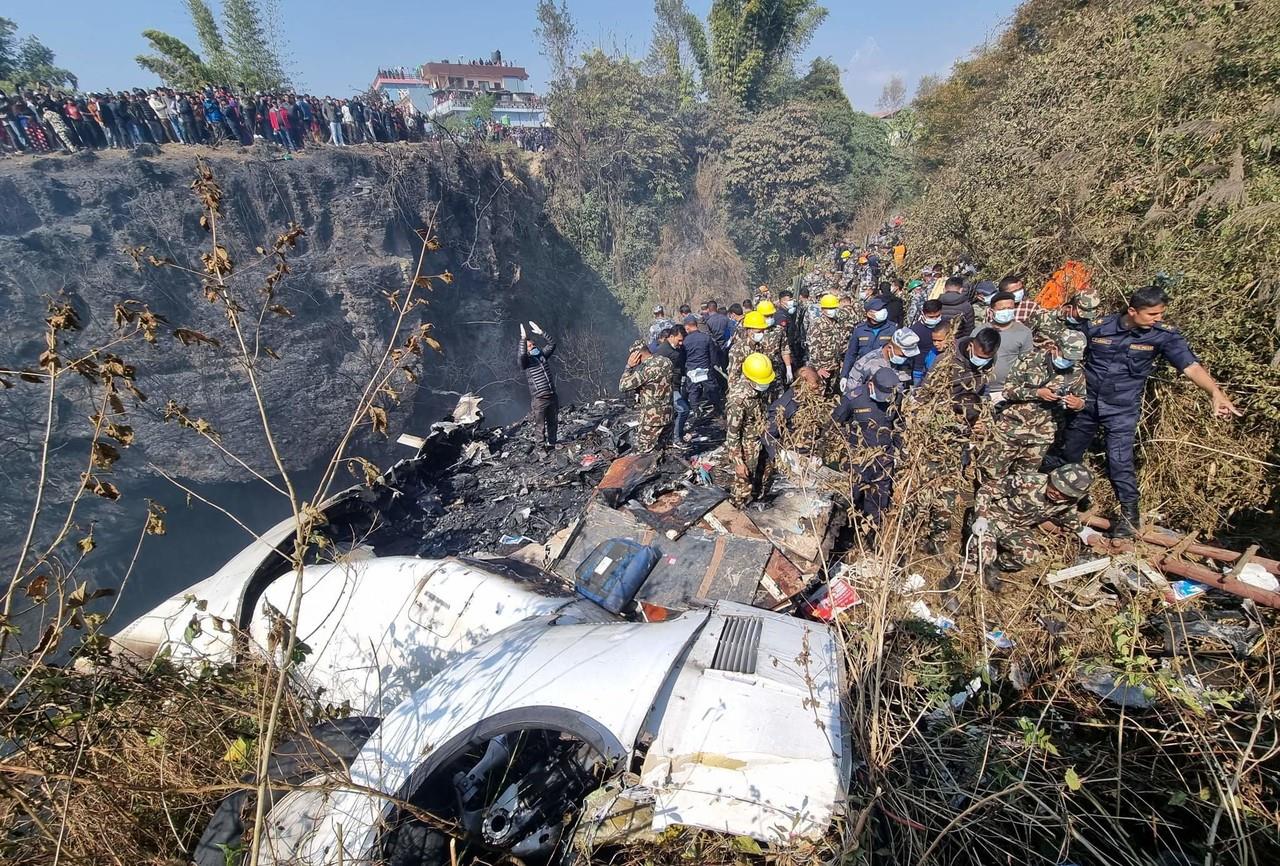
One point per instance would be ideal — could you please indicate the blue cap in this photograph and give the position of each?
(875, 304)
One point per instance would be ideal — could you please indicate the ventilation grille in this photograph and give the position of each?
(739, 645)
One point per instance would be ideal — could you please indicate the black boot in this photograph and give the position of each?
(1126, 522)
(991, 578)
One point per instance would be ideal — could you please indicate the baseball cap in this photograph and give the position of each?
(908, 341)
(690, 320)
(875, 304)
(884, 384)
(1071, 480)
(1071, 344)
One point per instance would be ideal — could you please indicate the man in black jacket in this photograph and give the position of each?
(544, 404)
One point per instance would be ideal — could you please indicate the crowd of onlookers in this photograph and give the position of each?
(53, 121)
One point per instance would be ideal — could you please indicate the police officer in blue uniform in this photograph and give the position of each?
(870, 413)
(870, 336)
(1122, 351)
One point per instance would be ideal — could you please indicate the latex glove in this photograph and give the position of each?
(523, 334)
(843, 381)
(1089, 534)
(533, 326)
(980, 526)
(788, 374)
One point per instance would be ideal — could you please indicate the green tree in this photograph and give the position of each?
(256, 63)
(785, 182)
(8, 50)
(751, 40)
(35, 65)
(678, 46)
(174, 62)
(211, 41)
(481, 109)
(558, 35)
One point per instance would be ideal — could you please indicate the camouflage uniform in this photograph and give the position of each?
(744, 344)
(1025, 425)
(651, 380)
(746, 415)
(1014, 507)
(1048, 325)
(827, 339)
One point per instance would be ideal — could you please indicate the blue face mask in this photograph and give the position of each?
(1003, 317)
(979, 362)
(897, 359)
(932, 321)
(1063, 363)
(535, 352)
(769, 321)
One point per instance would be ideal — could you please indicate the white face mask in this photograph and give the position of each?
(932, 321)
(1002, 317)
(791, 307)
(759, 387)
(769, 321)
(1018, 295)
(879, 316)
(758, 337)
(831, 314)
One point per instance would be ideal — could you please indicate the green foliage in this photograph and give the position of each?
(210, 36)
(678, 46)
(29, 63)
(785, 182)
(256, 62)
(1157, 154)
(750, 40)
(621, 166)
(174, 62)
(482, 109)
(558, 34)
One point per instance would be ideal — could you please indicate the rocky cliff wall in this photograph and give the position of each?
(64, 222)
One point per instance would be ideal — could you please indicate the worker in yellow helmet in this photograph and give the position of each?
(746, 416)
(826, 340)
(775, 343)
(753, 335)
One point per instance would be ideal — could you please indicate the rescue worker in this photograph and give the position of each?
(955, 305)
(983, 297)
(699, 367)
(898, 355)
(1123, 350)
(544, 404)
(649, 375)
(745, 422)
(792, 321)
(870, 414)
(828, 337)
(1009, 511)
(1076, 314)
(1043, 389)
(659, 324)
(870, 335)
(779, 350)
(754, 336)
(801, 405)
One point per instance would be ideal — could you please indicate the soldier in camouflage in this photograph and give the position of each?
(1009, 510)
(1075, 315)
(754, 335)
(650, 376)
(827, 339)
(746, 416)
(1042, 389)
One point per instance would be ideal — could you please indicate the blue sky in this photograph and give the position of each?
(335, 47)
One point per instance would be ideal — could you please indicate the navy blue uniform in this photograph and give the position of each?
(866, 338)
(700, 358)
(1117, 364)
(872, 437)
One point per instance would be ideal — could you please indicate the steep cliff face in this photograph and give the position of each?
(65, 221)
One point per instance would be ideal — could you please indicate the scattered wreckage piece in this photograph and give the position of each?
(1161, 537)
(798, 521)
(674, 512)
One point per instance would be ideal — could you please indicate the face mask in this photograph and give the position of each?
(1075, 320)
(535, 352)
(1003, 317)
(759, 387)
(831, 314)
(758, 337)
(768, 320)
(879, 315)
(898, 359)
(1063, 363)
(1017, 296)
(979, 362)
(932, 321)
(791, 307)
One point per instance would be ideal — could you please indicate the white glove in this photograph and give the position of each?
(1088, 534)
(533, 326)
(523, 335)
(788, 374)
(980, 526)
(843, 381)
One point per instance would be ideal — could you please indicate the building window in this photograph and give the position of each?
(471, 85)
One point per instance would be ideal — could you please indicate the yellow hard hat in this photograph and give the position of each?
(766, 308)
(845, 254)
(754, 319)
(758, 368)
(829, 302)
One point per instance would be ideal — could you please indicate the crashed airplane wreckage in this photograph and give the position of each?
(638, 670)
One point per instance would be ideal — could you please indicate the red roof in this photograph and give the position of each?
(474, 70)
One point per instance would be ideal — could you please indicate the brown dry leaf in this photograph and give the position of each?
(422, 282)
(187, 336)
(271, 353)
(378, 417)
(63, 317)
(409, 374)
(87, 544)
(122, 433)
(433, 244)
(97, 486)
(446, 277)
(38, 587)
(155, 520)
(30, 376)
(435, 344)
(103, 456)
(281, 310)
(370, 471)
